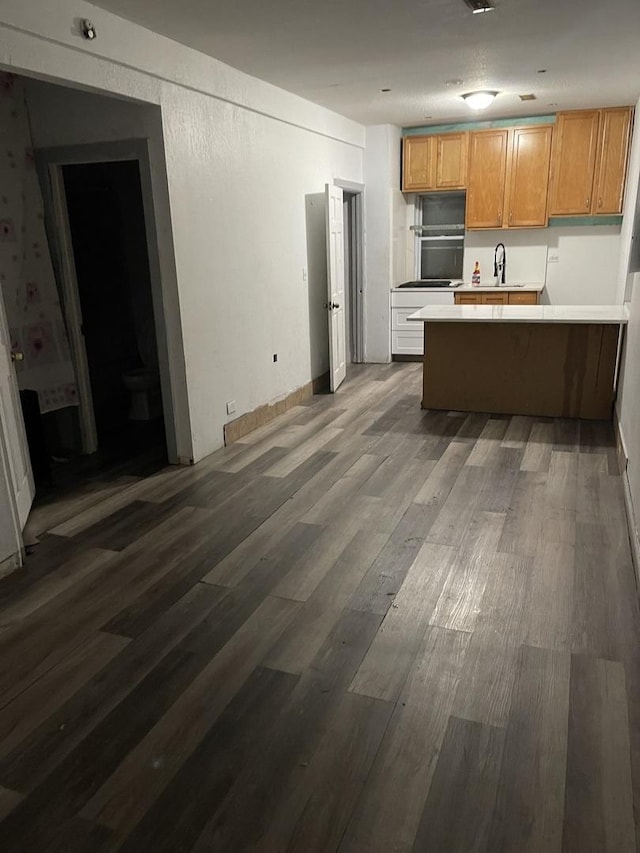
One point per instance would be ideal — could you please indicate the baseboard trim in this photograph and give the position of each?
(621, 449)
(320, 384)
(10, 564)
(632, 525)
(245, 424)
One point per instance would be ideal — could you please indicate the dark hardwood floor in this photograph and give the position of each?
(363, 628)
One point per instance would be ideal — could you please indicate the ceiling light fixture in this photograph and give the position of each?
(480, 6)
(479, 100)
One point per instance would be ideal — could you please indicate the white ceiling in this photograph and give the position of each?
(341, 53)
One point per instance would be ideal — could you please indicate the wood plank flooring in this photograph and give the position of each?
(364, 628)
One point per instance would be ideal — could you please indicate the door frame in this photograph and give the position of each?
(356, 247)
(50, 162)
(7, 498)
(70, 303)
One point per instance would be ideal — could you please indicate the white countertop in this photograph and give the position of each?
(490, 288)
(521, 314)
(532, 287)
(448, 288)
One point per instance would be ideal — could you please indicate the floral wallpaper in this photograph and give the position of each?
(27, 281)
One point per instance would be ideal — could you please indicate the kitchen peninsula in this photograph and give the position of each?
(544, 360)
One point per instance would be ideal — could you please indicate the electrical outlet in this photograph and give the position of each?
(304, 273)
(553, 256)
(275, 357)
(231, 407)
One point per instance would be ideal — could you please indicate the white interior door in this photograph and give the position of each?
(335, 287)
(12, 425)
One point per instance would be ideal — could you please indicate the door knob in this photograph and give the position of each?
(17, 356)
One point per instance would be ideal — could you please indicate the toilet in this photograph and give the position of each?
(143, 383)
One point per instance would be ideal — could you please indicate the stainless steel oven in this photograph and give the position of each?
(439, 232)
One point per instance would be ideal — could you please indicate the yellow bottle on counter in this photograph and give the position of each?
(475, 276)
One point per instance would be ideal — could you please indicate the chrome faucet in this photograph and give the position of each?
(500, 264)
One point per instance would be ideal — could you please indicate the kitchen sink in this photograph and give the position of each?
(431, 282)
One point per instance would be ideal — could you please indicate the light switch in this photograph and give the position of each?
(553, 256)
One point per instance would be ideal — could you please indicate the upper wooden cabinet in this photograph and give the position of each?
(486, 179)
(528, 161)
(418, 163)
(573, 162)
(518, 177)
(435, 162)
(611, 165)
(509, 177)
(589, 161)
(452, 152)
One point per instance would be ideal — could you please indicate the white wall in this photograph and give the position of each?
(631, 213)
(628, 402)
(384, 219)
(241, 247)
(586, 272)
(60, 115)
(241, 156)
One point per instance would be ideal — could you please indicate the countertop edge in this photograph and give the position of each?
(506, 288)
(584, 314)
(470, 288)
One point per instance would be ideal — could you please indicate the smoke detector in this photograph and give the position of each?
(87, 29)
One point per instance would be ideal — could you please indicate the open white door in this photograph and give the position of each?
(14, 438)
(335, 287)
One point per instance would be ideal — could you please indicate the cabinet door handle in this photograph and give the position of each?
(588, 202)
(499, 216)
(511, 216)
(599, 202)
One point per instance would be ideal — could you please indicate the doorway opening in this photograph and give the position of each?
(353, 278)
(100, 231)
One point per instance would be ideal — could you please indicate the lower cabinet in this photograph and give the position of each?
(527, 298)
(407, 338)
(505, 297)
(407, 342)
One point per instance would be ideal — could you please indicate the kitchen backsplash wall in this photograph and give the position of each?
(585, 272)
(526, 255)
(579, 264)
